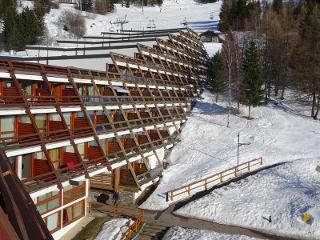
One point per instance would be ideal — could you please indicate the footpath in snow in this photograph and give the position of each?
(179, 233)
(207, 146)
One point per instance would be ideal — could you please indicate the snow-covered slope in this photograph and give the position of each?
(207, 146)
(170, 15)
(179, 233)
(284, 192)
(114, 229)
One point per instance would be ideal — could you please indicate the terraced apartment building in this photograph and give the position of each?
(64, 130)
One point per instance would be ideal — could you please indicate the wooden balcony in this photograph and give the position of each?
(11, 98)
(81, 127)
(102, 181)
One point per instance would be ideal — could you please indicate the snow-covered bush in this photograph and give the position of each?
(73, 23)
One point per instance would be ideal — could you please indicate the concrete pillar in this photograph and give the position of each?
(19, 166)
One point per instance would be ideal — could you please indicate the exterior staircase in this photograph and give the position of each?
(152, 232)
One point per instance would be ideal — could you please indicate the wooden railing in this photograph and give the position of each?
(213, 180)
(134, 227)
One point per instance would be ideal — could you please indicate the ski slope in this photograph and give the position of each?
(171, 14)
(208, 146)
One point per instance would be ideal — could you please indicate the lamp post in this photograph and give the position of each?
(238, 148)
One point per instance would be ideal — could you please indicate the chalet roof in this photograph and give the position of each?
(209, 33)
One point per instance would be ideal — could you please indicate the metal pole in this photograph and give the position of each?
(238, 150)
(47, 50)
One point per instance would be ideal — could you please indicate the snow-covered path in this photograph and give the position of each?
(207, 146)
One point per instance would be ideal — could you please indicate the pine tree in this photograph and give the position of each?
(225, 15)
(217, 74)
(277, 6)
(252, 77)
(11, 33)
(21, 29)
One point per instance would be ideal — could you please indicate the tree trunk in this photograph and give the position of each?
(217, 97)
(318, 108)
(313, 103)
(282, 91)
(249, 111)
(276, 90)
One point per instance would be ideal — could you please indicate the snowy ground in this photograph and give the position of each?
(179, 233)
(114, 229)
(295, 102)
(212, 48)
(171, 14)
(284, 192)
(207, 146)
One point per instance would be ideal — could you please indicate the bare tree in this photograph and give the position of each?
(73, 23)
(228, 52)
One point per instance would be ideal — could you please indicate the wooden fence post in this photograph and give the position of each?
(205, 184)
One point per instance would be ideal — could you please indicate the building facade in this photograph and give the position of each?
(64, 129)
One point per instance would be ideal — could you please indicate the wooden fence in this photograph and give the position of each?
(213, 180)
(134, 227)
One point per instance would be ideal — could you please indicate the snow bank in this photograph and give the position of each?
(24, 4)
(179, 233)
(207, 146)
(212, 48)
(284, 192)
(114, 229)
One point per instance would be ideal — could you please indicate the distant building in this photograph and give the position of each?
(68, 1)
(210, 36)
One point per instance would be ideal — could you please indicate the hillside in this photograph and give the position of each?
(171, 14)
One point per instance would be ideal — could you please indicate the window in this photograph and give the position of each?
(7, 127)
(67, 118)
(72, 193)
(80, 114)
(41, 122)
(73, 213)
(48, 202)
(69, 149)
(78, 209)
(53, 222)
(39, 156)
(25, 119)
(81, 148)
(54, 117)
(8, 84)
(93, 144)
